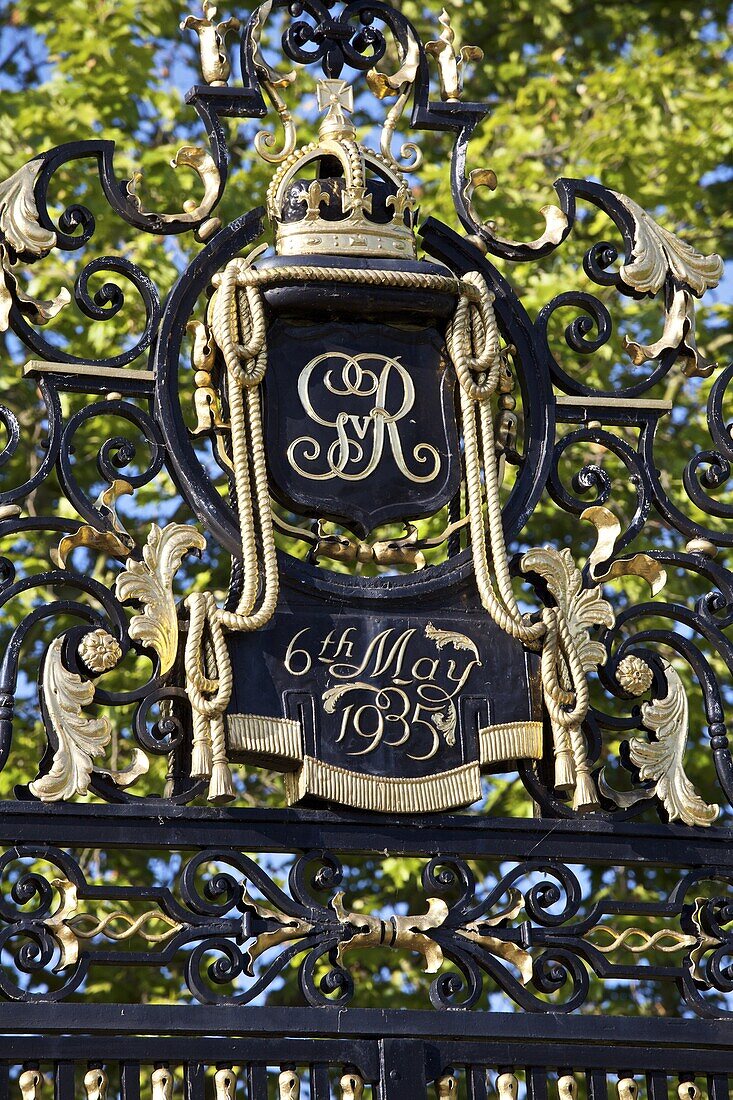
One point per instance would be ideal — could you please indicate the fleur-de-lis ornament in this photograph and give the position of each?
(451, 65)
(215, 65)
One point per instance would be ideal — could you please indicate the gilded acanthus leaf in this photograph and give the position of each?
(19, 221)
(150, 582)
(22, 236)
(581, 607)
(678, 334)
(658, 254)
(78, 738)
(663, 758)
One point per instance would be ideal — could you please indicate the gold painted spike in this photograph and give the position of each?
(507, 1086)
(352, 1086)
(162, 1081)
(225, 1083)
(567, 1087)
(31, 1083)
(95, 1084)
(627, 1088)
(688, 1090)
(447, 1086)
(288, 1085)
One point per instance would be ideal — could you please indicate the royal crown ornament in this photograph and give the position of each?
(358, 205)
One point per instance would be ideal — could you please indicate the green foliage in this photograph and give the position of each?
(634, 93)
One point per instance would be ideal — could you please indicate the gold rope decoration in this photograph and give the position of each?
(473, 346)
(238, 325)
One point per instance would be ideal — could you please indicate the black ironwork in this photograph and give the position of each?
(513, 914)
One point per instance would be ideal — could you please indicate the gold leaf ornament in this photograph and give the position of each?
(663, 759)
(581, 607)
(608, 530)
(556, 220)
(150, 583)
(22, 237)
(78, 738)
(203, 164)
(659, 256)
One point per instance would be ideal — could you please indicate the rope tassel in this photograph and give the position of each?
(473, 344)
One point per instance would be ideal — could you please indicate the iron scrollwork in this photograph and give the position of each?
(531, 933)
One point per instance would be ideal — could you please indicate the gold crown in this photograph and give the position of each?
(359, 204)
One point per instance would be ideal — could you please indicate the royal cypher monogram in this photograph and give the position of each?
(388, 695)
(360, 440)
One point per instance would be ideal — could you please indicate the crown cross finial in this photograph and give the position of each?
(337, 98)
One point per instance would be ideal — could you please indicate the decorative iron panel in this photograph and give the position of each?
(360, 424)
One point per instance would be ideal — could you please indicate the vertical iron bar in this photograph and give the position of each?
(597, 1084)
(63, 1081)
(476, 1082)
(320, 1084)
(194, 1080)
(718, 1086)
(402, 1069)
(656, 1086)
(537, 1083)
(256, 1082)
(130, 1081)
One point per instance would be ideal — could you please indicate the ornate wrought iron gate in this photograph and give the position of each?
(367, 431)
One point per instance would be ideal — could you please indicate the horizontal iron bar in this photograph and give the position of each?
(266, 1050)
(92, 378)
(643, 403)
(165, 826)
(504, 1037)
